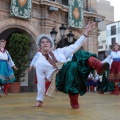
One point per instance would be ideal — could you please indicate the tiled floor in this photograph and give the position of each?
(93, 106)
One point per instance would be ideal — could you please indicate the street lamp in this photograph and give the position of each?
(62, 34)
(70, 37)
(53, 34)
(62, 30)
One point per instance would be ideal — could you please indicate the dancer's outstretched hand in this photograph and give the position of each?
(88, 28)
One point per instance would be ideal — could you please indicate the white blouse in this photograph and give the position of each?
(6, 56)
(3, 56)
(114, 54)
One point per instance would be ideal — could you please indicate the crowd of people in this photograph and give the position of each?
(110, 81)
(75, 76)
(93, 82)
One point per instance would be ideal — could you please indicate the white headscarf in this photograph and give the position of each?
(48, 37)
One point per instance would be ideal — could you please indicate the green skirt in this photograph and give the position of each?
(106, 85)
(73, 75)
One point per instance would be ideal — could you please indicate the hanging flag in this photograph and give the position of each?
(21, 8)
(76, 14)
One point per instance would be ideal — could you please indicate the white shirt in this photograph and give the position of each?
(6, 56)
(45, 70)
(90, 76)
(61, 54)
(97, 77)
(109, 59)
(114, 54)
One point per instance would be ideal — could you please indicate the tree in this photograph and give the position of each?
(18, 49)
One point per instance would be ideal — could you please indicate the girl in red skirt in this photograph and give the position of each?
(115, 67)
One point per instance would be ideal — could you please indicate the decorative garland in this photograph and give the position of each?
(21, 8)
(76, 13)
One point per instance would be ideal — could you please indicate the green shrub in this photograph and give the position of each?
(18, 49)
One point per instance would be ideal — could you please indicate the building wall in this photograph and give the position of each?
(102, 40)
(115, 36)
(104, 8)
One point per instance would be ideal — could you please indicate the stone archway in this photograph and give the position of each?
(18, 23)
(9, 26)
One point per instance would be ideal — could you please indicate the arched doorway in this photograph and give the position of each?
(28, 84)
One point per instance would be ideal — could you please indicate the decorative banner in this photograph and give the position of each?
(76, 14)
(21, 8)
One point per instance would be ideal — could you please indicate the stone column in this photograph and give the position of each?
(92, 40)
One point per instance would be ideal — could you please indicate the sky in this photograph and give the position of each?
(116, 4)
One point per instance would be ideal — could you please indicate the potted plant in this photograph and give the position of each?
(18, 48)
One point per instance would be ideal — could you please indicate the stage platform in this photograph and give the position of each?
(93, 106)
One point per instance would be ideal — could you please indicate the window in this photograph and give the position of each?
(113, 40)
(113, 30)
(110, 46)
(100, 47)
(65, 2)
(104, 41)
(101, 56)
(86, 5)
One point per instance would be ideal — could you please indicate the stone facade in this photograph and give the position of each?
(103, 7)
(43, 21)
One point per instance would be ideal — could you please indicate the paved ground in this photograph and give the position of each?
(18, 106)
